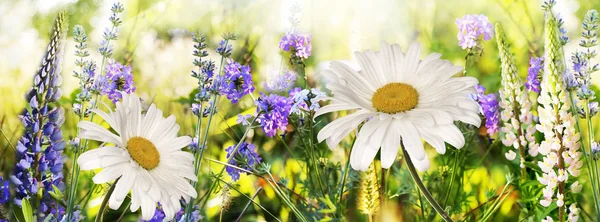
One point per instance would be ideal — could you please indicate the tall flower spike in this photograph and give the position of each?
(560, 146)
(39, 159)
(517, 119)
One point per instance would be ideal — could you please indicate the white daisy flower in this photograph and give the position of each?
(145, 153)
(402, 99)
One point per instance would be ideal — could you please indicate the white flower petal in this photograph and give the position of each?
(109, 174)
(94, 131)
(411, 139)
(390, 147)
(363, 152)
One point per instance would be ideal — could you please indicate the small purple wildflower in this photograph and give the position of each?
(118, 79)
(224, 49)
(533, 76)
(243, 119)
(299, 45)
(245, 158)
(4, 191)
(306, 100)
(471, 27)
(489, 108)
(280, 83)
(273, 112)
(236, 82)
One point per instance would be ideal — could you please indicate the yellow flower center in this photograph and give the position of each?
(143, 152)
(395, 97)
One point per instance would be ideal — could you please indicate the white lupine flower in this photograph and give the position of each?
(548, 218)
(510, 155)
(560, 199)
(573, 213)
(576, 187)
(515, 106)
(561, 142)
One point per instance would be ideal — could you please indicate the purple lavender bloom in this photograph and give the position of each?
(194, 217)
(118, 79)
(272, 112)
(4, 191)
(490, 108)
(303, 46)
(471, 27)
(533, 76)
(159, 216)
(245, 158)
(194, 144)
(236, 82)
(196, 109)
(299, 45)
(306, 100)
(224, 49)
(571, 82)
(280, 83)
(243, 119)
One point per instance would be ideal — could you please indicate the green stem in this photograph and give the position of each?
(591, 134)
(100, 215)
(250, 201)
(198, 159)
(345, 173)
(237, 147)
(588, 162)
(413, 172)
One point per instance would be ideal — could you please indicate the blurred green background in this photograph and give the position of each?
(155, 40)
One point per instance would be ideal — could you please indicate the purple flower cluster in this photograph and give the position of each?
(224, 49)
(159, 215)
(272, 112)
(299, 45)
(489, 108)
(533, 76)
(4, 191)
(471, 27)
(118, 79)
(245, 158)
(306, 100)
(39, 152)
(280, 83)
(236, 82)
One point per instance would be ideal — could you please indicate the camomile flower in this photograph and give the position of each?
(401, 99)
(145, 153)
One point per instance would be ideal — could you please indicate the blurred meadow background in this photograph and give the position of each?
(155, 39)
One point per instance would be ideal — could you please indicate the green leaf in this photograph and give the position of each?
(27, 210)
(49, 218)
(18, 214)
(56, 193)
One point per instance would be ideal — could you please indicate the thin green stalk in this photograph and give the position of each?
(345, 173)
(213, 184)
(313, 152)
(198, 158)
(588, 162)
(413, 172)
(591, 134)
(247, 197)
(75, 177)
(100, 215)
(7, 140)
(285, 199)
(421, 205)
(495, 204)
(251, 200)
